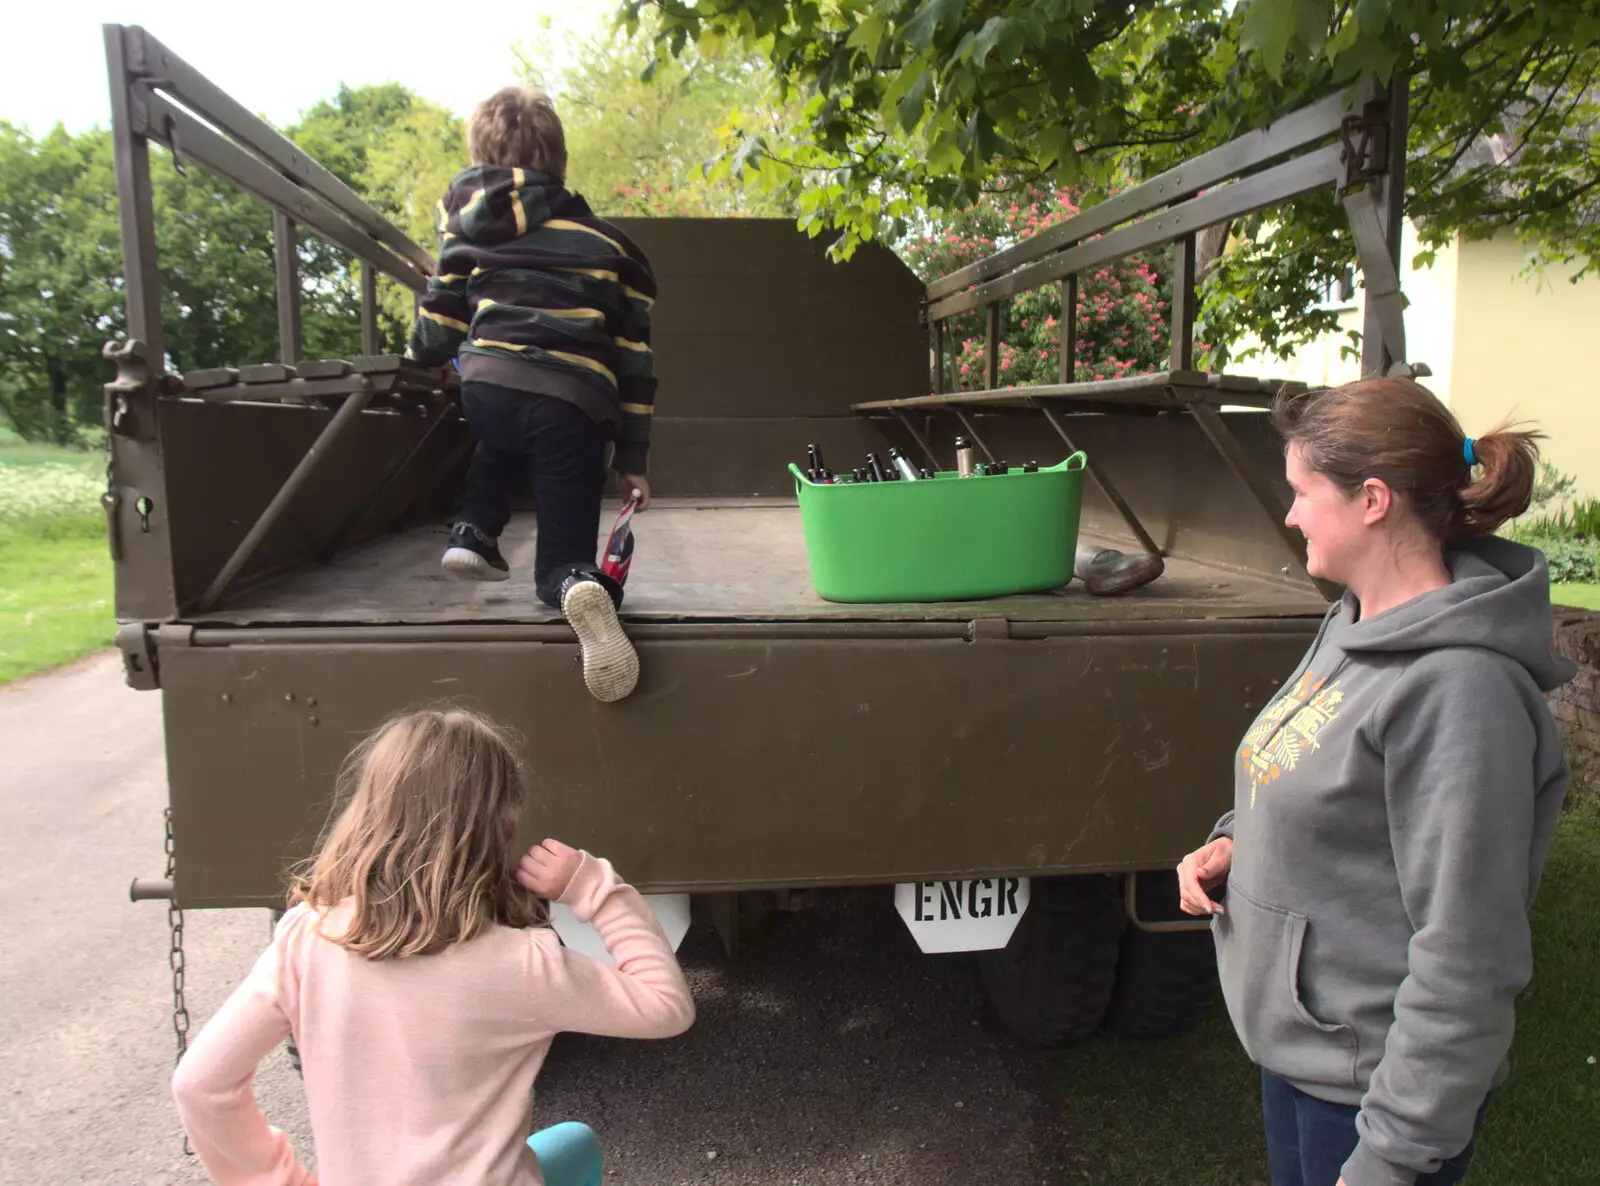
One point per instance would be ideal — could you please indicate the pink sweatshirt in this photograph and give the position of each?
(419, 1071)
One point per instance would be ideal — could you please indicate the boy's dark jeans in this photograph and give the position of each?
(567, 452)
(1309, 1140)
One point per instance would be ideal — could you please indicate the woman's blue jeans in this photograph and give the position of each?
(1309, 1140)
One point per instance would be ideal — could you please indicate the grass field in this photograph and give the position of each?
(1578, 596)
(55, 574)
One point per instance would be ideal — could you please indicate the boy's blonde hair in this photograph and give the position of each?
(421, 844)
(517, 127)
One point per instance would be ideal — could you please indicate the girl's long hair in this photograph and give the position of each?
(420, 842)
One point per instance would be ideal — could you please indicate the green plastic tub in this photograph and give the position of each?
(949, 539)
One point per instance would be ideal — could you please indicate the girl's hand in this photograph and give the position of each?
(548, 869)
(1199, 871)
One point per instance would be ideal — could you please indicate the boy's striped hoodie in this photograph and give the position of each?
(537, 294)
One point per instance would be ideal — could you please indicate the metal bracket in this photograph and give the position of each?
(1222, 439)
(922, 442)
(1365, 159)
(138, 657)
(135, 377)
(171, 131)
(1382, 279)
(1410, 370)
(1113, 495)
(1130, 902)
(342, 419)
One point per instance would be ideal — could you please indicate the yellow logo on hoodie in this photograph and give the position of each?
(1288, 730)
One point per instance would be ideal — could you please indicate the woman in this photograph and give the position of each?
(1394, 806)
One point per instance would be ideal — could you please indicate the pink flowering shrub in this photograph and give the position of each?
(1122, 306)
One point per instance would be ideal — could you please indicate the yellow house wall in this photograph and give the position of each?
(1525, 348)
(1499, 345)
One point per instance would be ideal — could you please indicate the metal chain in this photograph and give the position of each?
(180, 1007)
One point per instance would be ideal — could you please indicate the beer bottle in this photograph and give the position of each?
(875, 464)
(904, 466)
(1031, 467)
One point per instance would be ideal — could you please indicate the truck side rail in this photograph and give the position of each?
(157, 97)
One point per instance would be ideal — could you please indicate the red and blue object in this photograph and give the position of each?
(618, 556)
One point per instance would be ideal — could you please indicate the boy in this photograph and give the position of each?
(548, 308)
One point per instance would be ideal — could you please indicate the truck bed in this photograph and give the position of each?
(719, 559)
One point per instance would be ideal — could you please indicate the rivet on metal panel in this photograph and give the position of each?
(227, 698)
(289, 696)
(311, 702)
(316, 721)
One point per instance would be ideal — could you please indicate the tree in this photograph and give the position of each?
(640, 134)
(916, 104)
(1122, 307)
(399, 152)
(56, 228)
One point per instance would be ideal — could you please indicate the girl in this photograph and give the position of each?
(1393, 808)
(422, 985)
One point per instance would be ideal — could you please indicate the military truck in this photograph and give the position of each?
(1026, 770)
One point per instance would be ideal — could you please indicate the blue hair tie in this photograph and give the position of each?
(1470, 453)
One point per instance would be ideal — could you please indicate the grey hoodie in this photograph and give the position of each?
(1392, 813)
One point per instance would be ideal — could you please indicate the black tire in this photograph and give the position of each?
(1167, 980)
(1050, 985)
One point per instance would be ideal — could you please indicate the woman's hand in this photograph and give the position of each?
(1199, 871)
(548, 869)
(635, 486)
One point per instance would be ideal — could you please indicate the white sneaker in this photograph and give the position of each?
(610, 664)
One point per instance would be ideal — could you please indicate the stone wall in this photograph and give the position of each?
(1577, 704)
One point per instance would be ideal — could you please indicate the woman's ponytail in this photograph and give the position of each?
(1502, 487)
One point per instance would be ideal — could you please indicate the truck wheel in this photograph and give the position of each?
(1165, 980)
(1051, 983)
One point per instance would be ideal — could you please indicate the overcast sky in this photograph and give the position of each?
(276, 58)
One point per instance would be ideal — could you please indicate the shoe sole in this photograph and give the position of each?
(465, 564)
(1126, 579)
(610, 664)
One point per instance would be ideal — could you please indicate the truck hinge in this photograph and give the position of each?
(138, 656)
(141, 648)
(990, 629)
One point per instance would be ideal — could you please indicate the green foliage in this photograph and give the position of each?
(58, 256)
(1580, 520)
(913, 104)
(640, 146)
(1122, 307)
(1571, 560)
(1552, 485)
